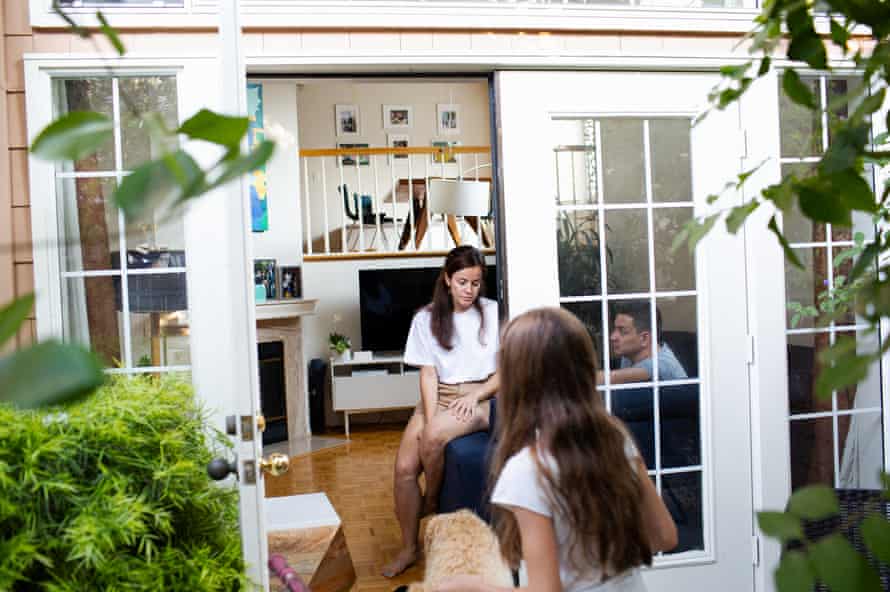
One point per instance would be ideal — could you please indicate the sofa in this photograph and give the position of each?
(465, 477)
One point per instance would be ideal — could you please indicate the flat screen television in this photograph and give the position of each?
(388, 299)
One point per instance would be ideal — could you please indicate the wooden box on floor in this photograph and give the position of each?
(306, 530)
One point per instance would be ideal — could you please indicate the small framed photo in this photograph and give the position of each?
(398, 116)
(349, 159)
(265, 274)
(448, 118)
(346, 118)
(445, 156)
(291, 282)
(397, 141)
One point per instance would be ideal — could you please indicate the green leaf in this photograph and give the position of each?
(813, 502)
(110, 33)
(840, 567)
(818, 203)
(808, 47)
(845, 368)
(735, 72)
(158, 184)
(780, 525)
(781, 194)
(870, 104)
(49, 373)
(797, 91)
(13, 315)
(794, 573)
(244, 164)
(73, 136)
(765, 64)
(790, 255)
(876, 533)
(839, 34)
(212, 127)
(739, 214)
(866, 259)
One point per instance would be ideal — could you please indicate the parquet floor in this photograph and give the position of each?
(357, 479)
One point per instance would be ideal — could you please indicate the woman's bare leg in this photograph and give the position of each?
(406, 493)
(444, 428)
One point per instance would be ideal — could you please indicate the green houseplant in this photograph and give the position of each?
(112, 493)
(340, 345)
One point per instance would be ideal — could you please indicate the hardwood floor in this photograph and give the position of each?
(357, 479)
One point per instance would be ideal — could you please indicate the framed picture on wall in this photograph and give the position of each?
(397, 141)
(398, 116)
(291, 282)
(349, 159)
(265, 275)
(346, 120)
(448, 119)
(445, 156)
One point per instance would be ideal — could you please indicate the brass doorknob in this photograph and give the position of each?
(275, 464)
(261, 423)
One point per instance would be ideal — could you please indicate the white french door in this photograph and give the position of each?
(600, 171)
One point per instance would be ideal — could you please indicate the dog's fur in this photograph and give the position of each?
(460, 543)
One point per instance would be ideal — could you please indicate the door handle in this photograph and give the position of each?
(275, 464)
(220, 468)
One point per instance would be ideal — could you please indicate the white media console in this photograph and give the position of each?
(382, 383)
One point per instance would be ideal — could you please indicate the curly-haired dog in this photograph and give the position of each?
(460, 543)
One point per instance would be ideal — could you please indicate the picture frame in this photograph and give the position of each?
(346, 120)
(444, 144)
(397, 141)
(448, 119)
(265, 273)
(398, 116)
(291, 282)
(349, 159)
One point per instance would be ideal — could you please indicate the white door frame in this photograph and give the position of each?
(219, 281)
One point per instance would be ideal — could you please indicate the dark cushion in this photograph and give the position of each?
(465, 476)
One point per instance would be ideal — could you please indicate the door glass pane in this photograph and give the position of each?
(800, 128)
(158, 319)
(88, 221)
(591, 314)
(674, 269)
(812, 452)
(92, 317)
(678, 337)
(804, 286)
(682, 494)
(680, 426)
(145, 94)
(89, 94)
(630, 341)
(578, 253)
(866, 394)
(636, 408)
(797, 227)
(671, 178)
(861, 449)
(623, 170)
(627, 245)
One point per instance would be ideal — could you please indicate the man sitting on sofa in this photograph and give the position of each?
(631, 340)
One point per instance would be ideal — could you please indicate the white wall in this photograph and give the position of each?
(283, 240)
(316, 102)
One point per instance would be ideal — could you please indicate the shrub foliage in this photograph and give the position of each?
(112, 493)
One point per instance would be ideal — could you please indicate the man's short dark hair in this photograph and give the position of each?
(640, 313)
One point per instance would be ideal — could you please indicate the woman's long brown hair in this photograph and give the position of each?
(548, 401)
(441, 308)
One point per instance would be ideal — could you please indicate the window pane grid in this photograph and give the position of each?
(811, 433)
(645, 396)
(104, 313)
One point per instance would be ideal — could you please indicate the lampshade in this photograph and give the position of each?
(460, 197)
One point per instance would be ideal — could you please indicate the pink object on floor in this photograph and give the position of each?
(287, 575)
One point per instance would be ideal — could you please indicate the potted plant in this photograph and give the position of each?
(340, 345)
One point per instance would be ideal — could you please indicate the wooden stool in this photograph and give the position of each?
(306, 530)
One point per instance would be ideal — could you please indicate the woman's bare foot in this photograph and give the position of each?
(403, 561)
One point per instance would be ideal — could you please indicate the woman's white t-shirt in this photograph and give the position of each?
(469, 359)
(519, 485)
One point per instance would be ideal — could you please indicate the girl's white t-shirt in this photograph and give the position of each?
(469, 359)
(519, 485)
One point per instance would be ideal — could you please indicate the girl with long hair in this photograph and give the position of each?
(572, 496)
(454, 341)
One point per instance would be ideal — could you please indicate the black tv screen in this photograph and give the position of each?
(390, 297)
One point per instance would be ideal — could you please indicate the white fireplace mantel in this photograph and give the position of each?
(284, 309)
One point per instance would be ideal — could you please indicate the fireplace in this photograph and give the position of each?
(273, 393)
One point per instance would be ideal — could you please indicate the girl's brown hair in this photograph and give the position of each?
(549, 402)
(441, 308)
